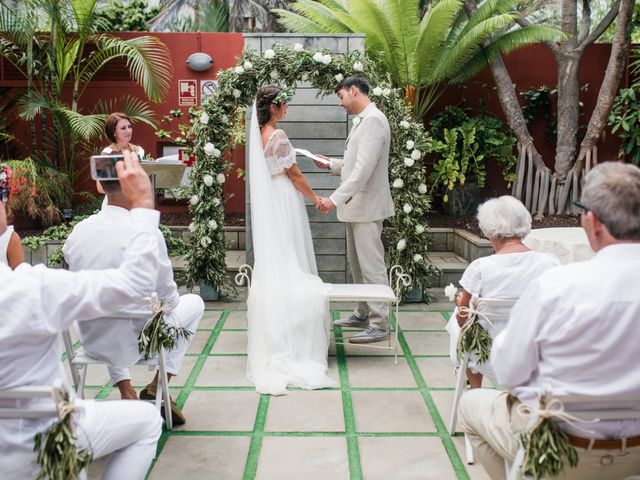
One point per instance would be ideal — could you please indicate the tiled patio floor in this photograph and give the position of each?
(385, 421)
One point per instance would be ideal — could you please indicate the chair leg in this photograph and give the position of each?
(468, 449)
(461, 385)
(395, 360)
(163, 385)
(81, 373)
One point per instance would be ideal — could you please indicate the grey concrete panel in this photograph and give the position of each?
(316, 113)
(333, 43)
(328, 230)
(330, 148)
(317, 217)
(331, 262)
(323, 181)
(327, 246)
(309, 96)
(298, 130)
(333, 277)
(252, 43)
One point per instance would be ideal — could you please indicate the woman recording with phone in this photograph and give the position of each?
(118, 129)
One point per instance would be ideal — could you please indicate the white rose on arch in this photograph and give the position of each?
(269, 54)
(409, 145)
(398, 183)
(248, 65)
(422, 188)
(386, 92)
(377, 91)
(405, 125)
(236, 93)
(416, 154)
(204, 118)
(239, 70)
(358, 67)
(213, 224)
(207, 180)
(220, 178)
(274, 74)
(402, 244)
(192, 227)
(326, 59)
(194, 199)
(216, 202)
(408, 161)
(407, 208)
(318, 57)
(298, 47)
(205, 241)
(417, 258)
(209, 148)
(419, 229)
(339, 77)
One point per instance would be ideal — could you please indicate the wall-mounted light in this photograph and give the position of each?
(199, 62)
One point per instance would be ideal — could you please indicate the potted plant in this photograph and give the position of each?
(461, 147)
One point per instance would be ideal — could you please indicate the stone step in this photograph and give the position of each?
(451, 267)
(233, 258)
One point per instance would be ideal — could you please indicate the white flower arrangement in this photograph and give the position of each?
(274, 74)
(326, 59)
(194, 200)
(220, 178)
(407, 208)
(247, 65)
(239, 70)
(416, 154)
(207, 180)
(209, 148)
(298, 47)
(408, 161)
(269, 54)
(386, 92)
(339, 77)
(398, 183)
(405, 125)
(422, 189)
(358, 66)
(192, 227)
(417, 257)
(318, 57)
(409, 145)
(216, 202)
(236, 93)
(451, 291)
(402, 244)
(204, 118)
(205, 241)
(377, 91)
(419, 229)
(213, 224)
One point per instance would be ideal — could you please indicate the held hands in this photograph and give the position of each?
(134, 181)
(324, 205)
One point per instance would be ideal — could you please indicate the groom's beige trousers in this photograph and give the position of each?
(493, 431)
(365, 254)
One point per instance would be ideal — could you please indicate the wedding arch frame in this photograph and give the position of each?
(219, 125)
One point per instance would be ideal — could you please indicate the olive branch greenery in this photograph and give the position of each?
(57, 450)
(474, 337)
(158, 334)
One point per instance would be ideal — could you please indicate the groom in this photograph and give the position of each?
(363, 200)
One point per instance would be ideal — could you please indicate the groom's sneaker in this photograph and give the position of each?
(352, 321)
(370, 335)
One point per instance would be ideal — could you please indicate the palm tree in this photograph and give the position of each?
(421, 53)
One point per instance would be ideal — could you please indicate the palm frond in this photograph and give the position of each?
(403, 17)
(330, 20)
(488, 9)
(87, 127)
(148, 61)
(136, 109)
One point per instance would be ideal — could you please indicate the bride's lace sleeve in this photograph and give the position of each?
(283, 150)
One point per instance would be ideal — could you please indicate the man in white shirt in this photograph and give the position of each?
(37, 303)
(575, 330)
(99, 242)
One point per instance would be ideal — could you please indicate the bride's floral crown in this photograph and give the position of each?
(285, 96)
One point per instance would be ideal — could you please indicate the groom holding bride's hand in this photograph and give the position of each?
(363, 201)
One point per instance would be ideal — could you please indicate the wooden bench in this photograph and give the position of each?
(358, 292)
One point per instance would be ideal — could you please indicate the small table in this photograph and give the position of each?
(569, 244)
(163, 174)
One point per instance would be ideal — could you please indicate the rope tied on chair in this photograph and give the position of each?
(156, 334)
(545, 444)
(56, 448)
(473, 336)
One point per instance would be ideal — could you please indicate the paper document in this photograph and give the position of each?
(307, 153)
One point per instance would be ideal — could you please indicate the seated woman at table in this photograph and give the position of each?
(504, 275)
(119, 131)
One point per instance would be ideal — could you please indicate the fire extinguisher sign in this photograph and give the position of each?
(187, 93)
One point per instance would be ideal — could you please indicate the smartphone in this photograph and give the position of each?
(103, 167)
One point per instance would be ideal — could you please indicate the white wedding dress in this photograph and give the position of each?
(287, 305)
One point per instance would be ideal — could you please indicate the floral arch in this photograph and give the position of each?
(220, 116)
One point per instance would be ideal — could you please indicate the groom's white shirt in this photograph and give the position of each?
(364, 194)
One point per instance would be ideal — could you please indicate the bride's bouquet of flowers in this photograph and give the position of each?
(5, 177)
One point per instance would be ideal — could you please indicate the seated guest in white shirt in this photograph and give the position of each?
(504, 275)
(99, 242)
(575, 329)
(37, 303)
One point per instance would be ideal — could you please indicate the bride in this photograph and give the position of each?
(287, 305)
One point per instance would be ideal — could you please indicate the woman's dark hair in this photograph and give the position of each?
(354, 80)
(264, 100)
(110, 125)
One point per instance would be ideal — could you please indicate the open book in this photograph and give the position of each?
(307, 153)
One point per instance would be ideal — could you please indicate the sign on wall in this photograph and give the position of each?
(207, 88)
(187, 93)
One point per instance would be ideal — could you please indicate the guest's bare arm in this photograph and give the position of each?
(15, 255)
(462, 300)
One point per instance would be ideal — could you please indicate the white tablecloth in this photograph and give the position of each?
(569, 244)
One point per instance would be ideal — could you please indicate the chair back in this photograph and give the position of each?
(15, 402)
(495, 310)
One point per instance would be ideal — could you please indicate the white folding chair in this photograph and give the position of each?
(21, 409)
(584, 407)
(497, 312)
(79, 361)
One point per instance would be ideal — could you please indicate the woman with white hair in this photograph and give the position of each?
(504, 275)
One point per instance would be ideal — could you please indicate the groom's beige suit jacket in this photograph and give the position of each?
(364, 194)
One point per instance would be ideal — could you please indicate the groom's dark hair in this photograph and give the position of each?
(354, 80)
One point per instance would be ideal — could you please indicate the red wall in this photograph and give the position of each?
(532, 67)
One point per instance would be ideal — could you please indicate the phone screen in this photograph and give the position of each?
(103, 167)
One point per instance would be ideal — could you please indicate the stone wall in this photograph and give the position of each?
(319, 125)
